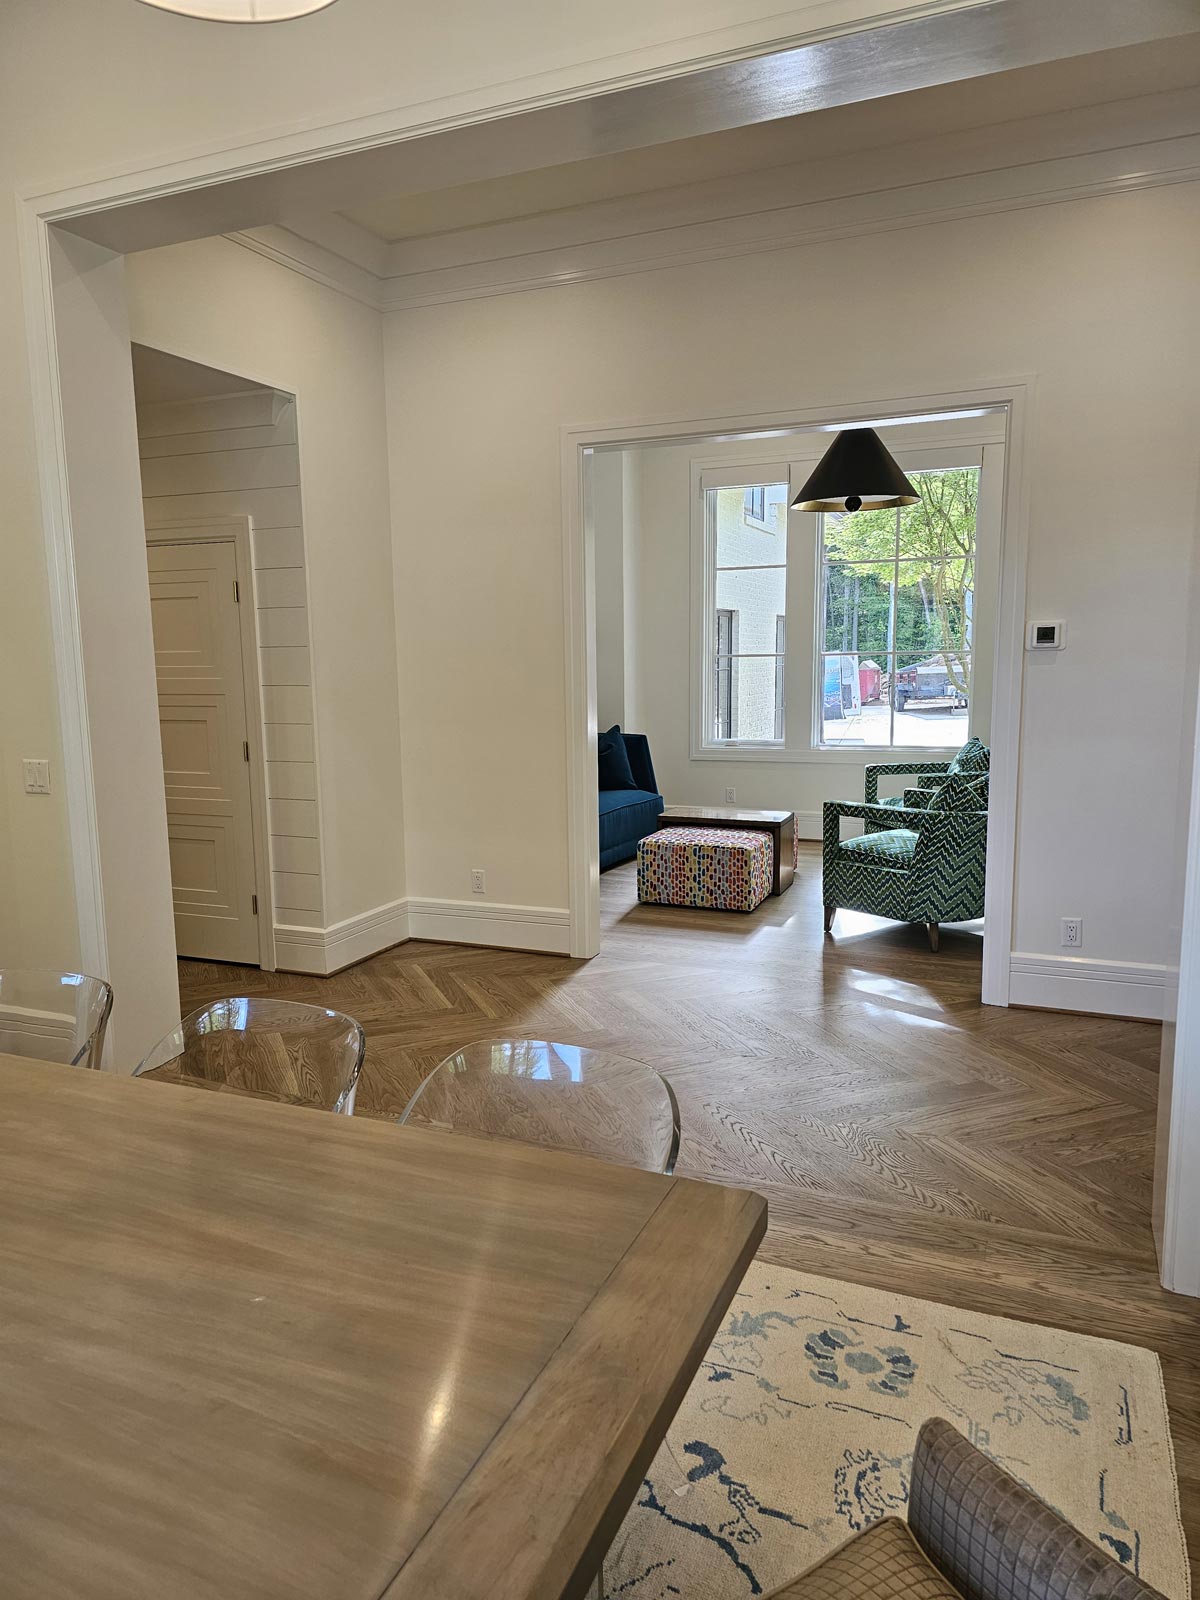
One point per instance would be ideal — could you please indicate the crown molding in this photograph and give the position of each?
(314, 261)
(241, 408)
(1086, 153)
(1077, 178)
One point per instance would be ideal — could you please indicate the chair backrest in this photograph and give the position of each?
(993, 1538)
(273, 1049)
(54, 1016)
(637, 747)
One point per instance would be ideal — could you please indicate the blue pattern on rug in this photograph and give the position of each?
(735, 1535)
(801, 1422)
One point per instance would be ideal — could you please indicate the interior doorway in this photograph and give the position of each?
(740, 718)
(220, 480)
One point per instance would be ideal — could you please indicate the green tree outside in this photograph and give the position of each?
(934, 576)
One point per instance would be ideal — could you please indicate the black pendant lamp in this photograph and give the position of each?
(856, 473)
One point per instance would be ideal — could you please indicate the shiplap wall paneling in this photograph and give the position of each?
(237, 454)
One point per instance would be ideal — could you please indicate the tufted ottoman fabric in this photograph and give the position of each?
(720, 869)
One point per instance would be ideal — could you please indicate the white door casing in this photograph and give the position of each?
(202, 716)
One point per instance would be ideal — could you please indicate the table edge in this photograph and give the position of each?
(558, 1559)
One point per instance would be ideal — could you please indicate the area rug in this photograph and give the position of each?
(800, 1425)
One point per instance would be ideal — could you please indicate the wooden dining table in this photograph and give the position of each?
(251, 1350)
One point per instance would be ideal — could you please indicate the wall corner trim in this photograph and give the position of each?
(325, 950)
(322, 951)
(1135, 989)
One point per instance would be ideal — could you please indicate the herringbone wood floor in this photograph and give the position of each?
(904, 1135)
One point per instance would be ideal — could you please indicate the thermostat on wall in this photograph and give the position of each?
(1046, 636)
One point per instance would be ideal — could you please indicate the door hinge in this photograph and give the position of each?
(245, 749)
(237, 593)
(254, 903)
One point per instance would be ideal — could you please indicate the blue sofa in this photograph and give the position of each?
(627, 815)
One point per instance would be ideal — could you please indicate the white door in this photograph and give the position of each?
(202, 714)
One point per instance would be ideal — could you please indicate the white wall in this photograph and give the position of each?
(219, 304)
(962, 304)
(91, 88)
(237, 453)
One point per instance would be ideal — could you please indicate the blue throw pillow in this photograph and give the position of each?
(613, 760)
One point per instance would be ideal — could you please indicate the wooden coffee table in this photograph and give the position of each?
(781, 825)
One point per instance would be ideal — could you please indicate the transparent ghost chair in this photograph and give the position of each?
(271, 1049)
(561, 1096)
(53, 1016)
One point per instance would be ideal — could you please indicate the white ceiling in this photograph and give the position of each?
(817, 135)
(159, 377)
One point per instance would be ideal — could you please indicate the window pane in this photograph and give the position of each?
(930, 694)
(757, 596)
(860, 535)
(754, 685)
(933, 606)
(741, 542)
(941, 526)
(854, 708)
(723, 696)
(857, 603)
(937, 552)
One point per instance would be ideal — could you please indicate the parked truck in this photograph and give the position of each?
(926, 685)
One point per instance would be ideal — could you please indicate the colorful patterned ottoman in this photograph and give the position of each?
(722, 869)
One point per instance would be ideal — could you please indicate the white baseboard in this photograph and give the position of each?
(1074, 983)
(476, 922)
(808, 824)
(30, 1031)
(326, 950)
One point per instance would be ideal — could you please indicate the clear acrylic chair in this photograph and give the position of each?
(53, 1016)
(561, 1096)
(271, 1049)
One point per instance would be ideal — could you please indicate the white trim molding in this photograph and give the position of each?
(325, 950)
(1087, 152)
(1101, 988)
(322, 951)
(504, 927)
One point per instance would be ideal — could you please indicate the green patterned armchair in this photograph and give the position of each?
(922, 857)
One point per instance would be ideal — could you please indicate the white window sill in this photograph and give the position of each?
(822, 757)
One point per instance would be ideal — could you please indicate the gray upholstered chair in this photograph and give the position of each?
(973, 1533)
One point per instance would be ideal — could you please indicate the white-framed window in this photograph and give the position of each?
(826, 638)
(897, 598)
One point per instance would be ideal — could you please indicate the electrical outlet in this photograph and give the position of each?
(478, 881)
(37, 775)
(730, 795)
(1072, 932)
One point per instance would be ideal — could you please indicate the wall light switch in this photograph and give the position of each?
(37, 775)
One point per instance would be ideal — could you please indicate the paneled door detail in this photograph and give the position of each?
(202, 715)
